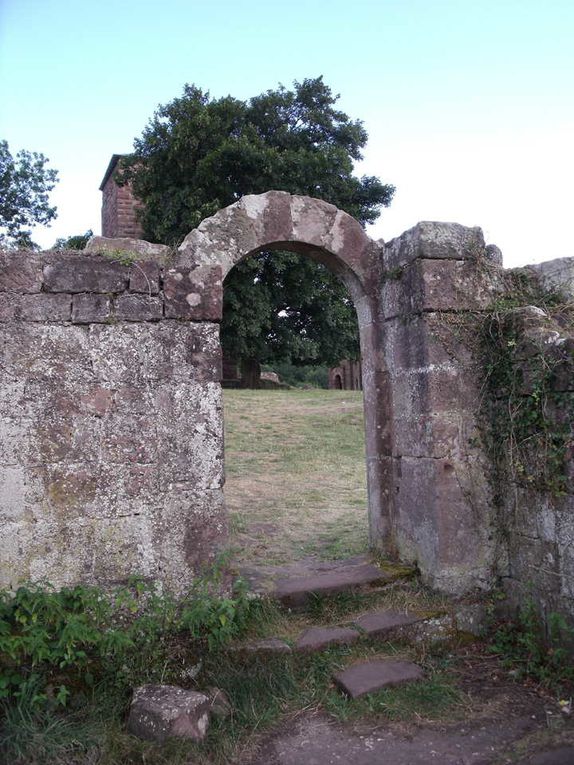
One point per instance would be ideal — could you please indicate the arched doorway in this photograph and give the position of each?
(280, 221)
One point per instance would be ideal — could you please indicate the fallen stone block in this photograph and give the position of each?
(159, 712)
(319, 638)
(371, 676)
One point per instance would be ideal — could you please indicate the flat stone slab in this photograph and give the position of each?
(266, 645)
(297, 590)
(381, 622)
(370, 676)
(318, 638)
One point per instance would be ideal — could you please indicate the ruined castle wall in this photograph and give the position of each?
(111, 442)
(438, 277)
(536, 472)
(111, 438)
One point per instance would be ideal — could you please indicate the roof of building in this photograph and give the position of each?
(111, 168)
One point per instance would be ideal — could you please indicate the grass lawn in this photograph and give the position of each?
(295, 474)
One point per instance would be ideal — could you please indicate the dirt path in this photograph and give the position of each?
(502, 723)
(295, 474)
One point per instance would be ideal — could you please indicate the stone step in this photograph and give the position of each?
(383, 623)
(370, 676)
(319, 638)
(296, 591)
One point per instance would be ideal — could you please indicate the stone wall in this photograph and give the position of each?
(536, 467)
(110, 411)
(111, 442)
(438, 278)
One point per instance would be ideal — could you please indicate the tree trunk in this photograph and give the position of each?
(250, 373)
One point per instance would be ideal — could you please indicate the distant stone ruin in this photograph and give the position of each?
(111, 416)
(346, 376)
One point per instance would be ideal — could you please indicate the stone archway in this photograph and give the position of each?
(278, 220)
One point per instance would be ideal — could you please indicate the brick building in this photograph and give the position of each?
(119, 207)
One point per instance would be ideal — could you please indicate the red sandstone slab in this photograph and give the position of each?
(295, 591)
(381, 622)
(319, 638)
(371, 676)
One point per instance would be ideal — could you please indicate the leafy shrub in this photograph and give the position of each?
(56, 643)
(535, 649)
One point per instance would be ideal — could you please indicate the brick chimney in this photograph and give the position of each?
(118, 206)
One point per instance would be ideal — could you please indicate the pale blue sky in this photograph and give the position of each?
(469, 105)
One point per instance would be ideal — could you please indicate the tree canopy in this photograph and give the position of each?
(25, 183)
(199, 154)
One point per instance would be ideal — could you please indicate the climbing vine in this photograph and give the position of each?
(527, 421)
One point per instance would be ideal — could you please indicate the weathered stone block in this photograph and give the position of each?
(435, 434)
(439, 285)
(444, 388)
(86, 274)
(159, 712)
(88, 308)
(45, 307)
(438, 527)
(125, 246)
(370, 676)
(320, 638)
(145, 277)
(194, 294)
(430, 239)
(426, 340)
(138, 308)
(135, 355)
(9, 304)
(130, 438)
(57, 354)
(189, 534)
(556, 275)
(190, 434)
(20, 272)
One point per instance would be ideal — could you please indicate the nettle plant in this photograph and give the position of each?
(55, 643)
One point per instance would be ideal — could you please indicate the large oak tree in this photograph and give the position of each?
(199, 154)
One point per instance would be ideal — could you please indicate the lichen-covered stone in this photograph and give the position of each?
(45, 307)
(86, 274)
(159, 712)
(145, 276)
(138, 308)
(88, 308)
(195, 294)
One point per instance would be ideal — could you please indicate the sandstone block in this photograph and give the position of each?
(88, 308)
(145, 277)
(383, 622)
(294, 591)
(138, 308)
(20, 272)
(194, 294)
(125, 246)
(9, 304)
(371, 676)
(159, 712)
(437, 240)
(319, 638)
(45, 307)
(85, 274)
